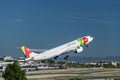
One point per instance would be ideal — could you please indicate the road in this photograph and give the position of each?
(66, 74)
(87, 73)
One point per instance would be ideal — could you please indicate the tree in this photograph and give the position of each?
(14, 72)
(117, 79)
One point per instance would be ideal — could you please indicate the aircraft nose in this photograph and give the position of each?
(89, 39)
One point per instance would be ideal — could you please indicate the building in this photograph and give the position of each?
(6, 58)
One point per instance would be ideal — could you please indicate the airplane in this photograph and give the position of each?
(75, 46)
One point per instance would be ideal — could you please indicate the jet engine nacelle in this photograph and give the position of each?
(78, 50)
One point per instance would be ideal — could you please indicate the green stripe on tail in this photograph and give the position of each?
(23, 49)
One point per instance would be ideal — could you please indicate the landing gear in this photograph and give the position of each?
(56, 57)
(66, 57)
(86, 45)
(66, 60)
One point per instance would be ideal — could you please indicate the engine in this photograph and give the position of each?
(78, 50)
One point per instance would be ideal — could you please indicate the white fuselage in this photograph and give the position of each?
(65, 48)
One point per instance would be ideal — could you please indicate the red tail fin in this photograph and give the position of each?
(26, 51)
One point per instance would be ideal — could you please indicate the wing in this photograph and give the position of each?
(38, 50)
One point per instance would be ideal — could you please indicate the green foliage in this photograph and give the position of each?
(14, 72)
(117, 79)
(77, 78)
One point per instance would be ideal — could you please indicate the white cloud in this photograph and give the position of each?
(92, 20)
(19, 20)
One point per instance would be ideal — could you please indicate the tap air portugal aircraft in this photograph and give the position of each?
(73, 46)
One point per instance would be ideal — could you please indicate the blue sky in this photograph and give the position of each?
(49, 23)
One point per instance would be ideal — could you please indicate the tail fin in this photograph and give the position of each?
(27, 52)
